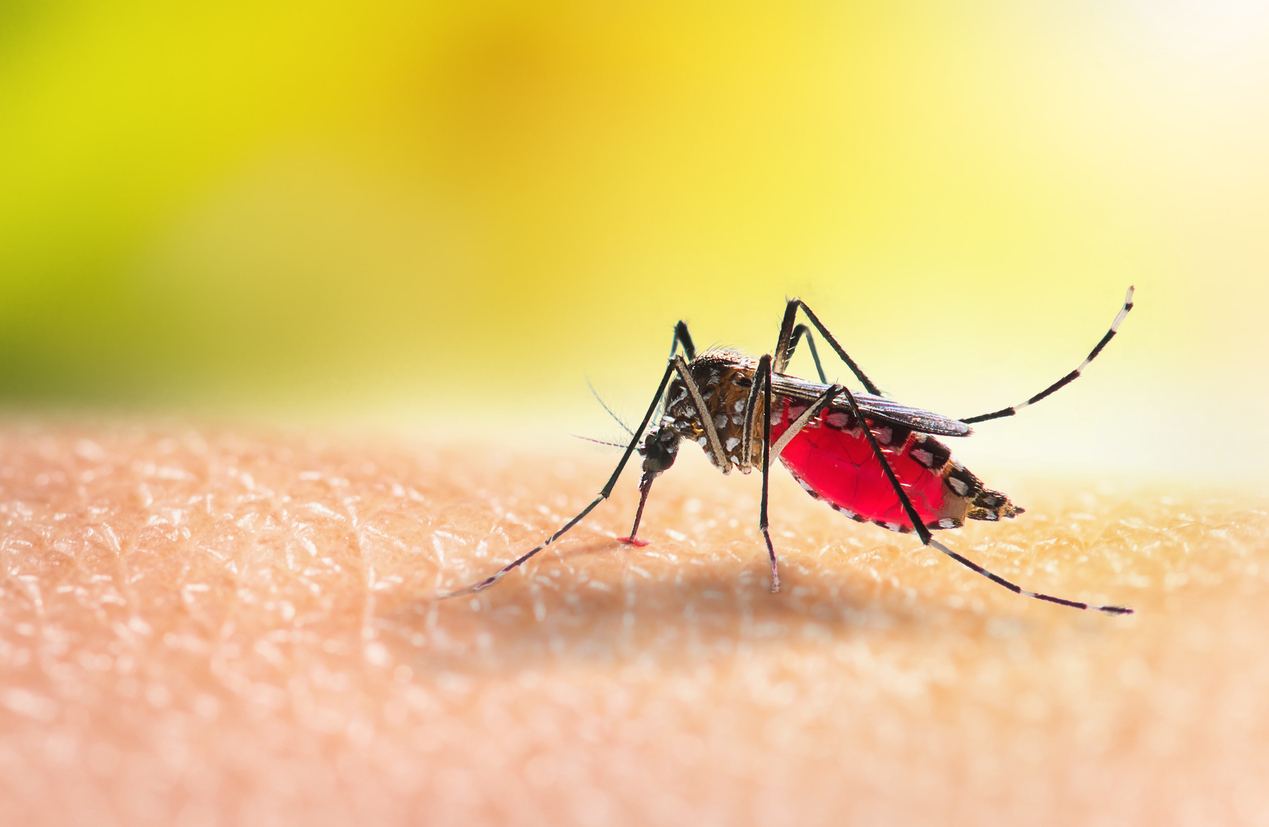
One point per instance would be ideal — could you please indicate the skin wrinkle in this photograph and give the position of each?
(257, 644)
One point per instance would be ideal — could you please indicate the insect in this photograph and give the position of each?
(869, 458)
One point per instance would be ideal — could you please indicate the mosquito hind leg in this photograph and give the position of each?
(927, 539)
(789, 337)
(1065, 380)
(803, 331)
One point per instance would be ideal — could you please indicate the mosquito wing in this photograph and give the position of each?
(875, 407)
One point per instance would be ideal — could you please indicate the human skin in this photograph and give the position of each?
(205, 623)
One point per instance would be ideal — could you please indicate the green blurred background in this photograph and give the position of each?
(457, 211)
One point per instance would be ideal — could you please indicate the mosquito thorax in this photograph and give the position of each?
(724, 379)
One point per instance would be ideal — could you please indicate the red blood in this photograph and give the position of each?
(634, 541)
(841, 467)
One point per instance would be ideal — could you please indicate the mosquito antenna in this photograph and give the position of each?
(598, 441)
(610, 413)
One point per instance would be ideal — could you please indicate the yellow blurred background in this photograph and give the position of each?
(458, 211)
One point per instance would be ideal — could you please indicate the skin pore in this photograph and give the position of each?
(204, 624)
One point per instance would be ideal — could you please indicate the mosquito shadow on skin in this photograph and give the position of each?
(523, 621)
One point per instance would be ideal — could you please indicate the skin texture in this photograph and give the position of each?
(203, 624)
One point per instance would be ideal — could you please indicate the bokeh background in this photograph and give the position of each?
(455, 212)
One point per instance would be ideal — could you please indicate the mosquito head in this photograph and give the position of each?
(659, 450)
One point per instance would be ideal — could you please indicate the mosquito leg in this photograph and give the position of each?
(763, 377)
(751, 410)
(682, 337)
(1061, 601)
(712, 439)
(788, 341)
(798, 332)
(603, 495)
(823, 401)
(927, 539)
(714, 444)
(790, 335)
(762, 380)
(1065, 380)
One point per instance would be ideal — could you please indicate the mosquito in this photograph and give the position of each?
(869, 458)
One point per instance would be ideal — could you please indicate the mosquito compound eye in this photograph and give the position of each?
(660, 450)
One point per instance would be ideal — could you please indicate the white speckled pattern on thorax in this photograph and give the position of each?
(724, 379)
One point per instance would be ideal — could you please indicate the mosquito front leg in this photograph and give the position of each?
(661, 445)
(714, 443)
(682, 338)
(1065, 380)
(603, 495)
(660, 449)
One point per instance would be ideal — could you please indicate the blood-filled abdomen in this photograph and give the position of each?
(833, 461)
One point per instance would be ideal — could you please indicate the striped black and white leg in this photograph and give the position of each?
(928, 539)
(788, 341)
(762, 381)
(1065, 380)
(713, 442)
(603, 495)
(803, 331)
